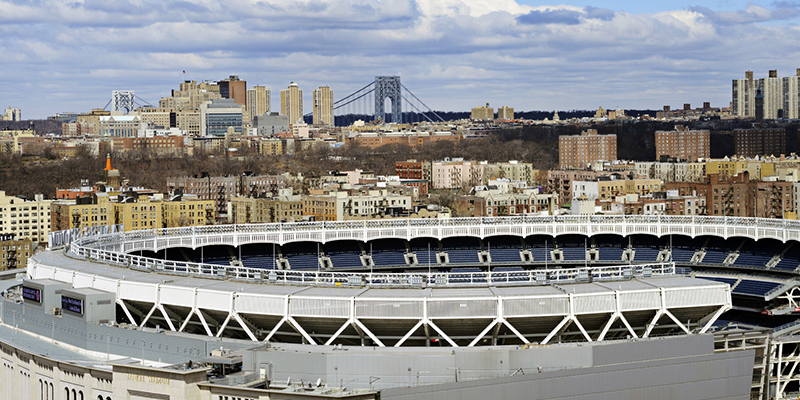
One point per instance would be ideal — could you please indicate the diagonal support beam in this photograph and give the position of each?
(607, 326)
(409, 333)
(675, 320)
(714, 318)
(244, 326)
(300, 330)
(627, 325)
(484, 332)
(149, 314)
(515, 331)
(188, 318)
(166, 317)
(127, 312)
(275, 329)
(369, 333)
(652, 323)
(205, 324)
(556, 329)
(339, 332)
(583, 331)
(441, 333)
(224, 325)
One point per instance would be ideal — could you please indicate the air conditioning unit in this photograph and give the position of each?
(57, 311)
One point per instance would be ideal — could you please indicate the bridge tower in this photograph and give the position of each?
(388, 86)
(123, 100)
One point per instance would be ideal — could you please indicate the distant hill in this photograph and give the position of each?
(41, 126)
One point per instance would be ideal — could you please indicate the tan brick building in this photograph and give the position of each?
(683, 143)
(577, 152)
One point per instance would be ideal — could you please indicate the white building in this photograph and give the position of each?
(781, 95)
(13, 114)
(456, 174)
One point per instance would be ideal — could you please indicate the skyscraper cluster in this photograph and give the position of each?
(781, 97)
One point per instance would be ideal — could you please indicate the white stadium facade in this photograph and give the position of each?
(545, 307)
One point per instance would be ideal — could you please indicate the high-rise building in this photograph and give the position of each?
(219, 116)
(190, 96)
(323, 106)
(683, 143)
(577, 152)
(482, 112)
(292, 103)
(234, 88)
(13, 114)
(781, 96)
(759, 141)
(505, 112)
(258, 101)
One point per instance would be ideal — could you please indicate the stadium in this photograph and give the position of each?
(532, 292)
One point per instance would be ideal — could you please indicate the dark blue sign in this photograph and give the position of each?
(71, 305)
(32, 294)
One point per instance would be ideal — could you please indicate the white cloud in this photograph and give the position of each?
(453, 54)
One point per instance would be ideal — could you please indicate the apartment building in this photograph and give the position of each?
(496, 203)
(134, 209)
(356, 203)
(579, 152)
(456, 173)
(759, 141)
(25, 219)
(780, 96)
(683, 143)
(285, 207)
(222, 188)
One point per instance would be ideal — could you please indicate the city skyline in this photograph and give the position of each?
(454, 55)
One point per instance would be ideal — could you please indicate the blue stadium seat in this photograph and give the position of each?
(505, 255)
(573, 253)
(389, 258)
(790, 259)
(714, 256)
(302, 261)
(461, 256)
(610, 254)
(345, 260)
(645, 254)
(754, 288)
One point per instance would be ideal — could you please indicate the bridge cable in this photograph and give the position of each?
(354, 93)
(419, 111)
(421, 102)
(353, 100)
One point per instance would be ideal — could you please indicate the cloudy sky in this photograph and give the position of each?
(454, 54)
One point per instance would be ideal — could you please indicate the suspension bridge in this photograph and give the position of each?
(370, 103)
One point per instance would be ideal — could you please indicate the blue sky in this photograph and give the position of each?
(453, 54)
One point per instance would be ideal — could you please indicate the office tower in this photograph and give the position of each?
(323, 106)
(234, 88)
(219, 116)
(292, 103)
(258, 101)
(683, 143)
(578, 152)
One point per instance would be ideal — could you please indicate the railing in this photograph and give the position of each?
(81, 249)
(330, 278)
(111, 247)
(755, 228)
